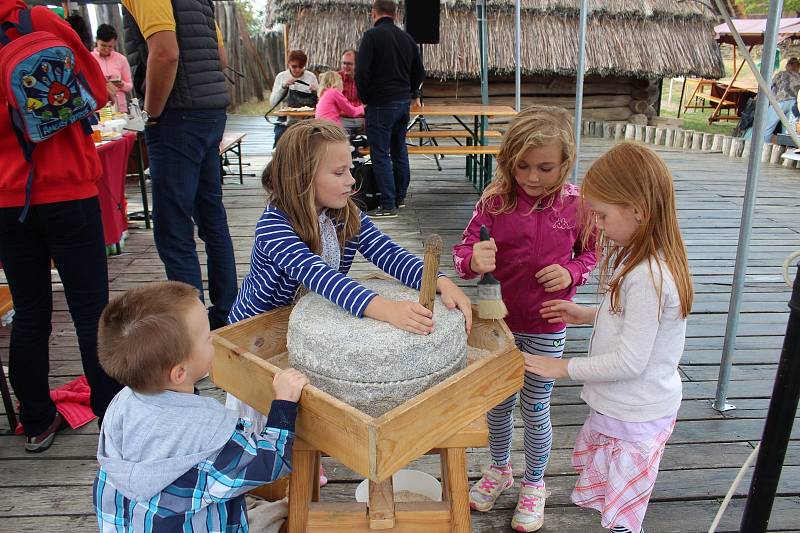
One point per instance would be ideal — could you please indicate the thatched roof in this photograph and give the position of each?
(648, 38)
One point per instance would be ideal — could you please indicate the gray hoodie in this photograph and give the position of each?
(150, 440)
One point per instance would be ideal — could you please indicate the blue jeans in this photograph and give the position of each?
(771, 120)
(386, 131)
(185, 171)
(71, 233)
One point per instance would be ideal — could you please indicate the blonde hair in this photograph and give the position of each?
(289, 181)
(632, 175)
(143, 333)
(533, 127)
(329, 79)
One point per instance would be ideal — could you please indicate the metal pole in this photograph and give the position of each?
(518, 55)
(778, 427)
(484, 53)
(748, 206)
(579, 85)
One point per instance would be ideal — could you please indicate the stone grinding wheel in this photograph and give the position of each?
(369, 364)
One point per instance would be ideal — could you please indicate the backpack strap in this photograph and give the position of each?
(23, 27)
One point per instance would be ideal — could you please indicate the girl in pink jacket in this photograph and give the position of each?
(332, 104)
(537, 255)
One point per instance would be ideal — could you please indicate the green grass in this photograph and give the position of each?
(693, 119)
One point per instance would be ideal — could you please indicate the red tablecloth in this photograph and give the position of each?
(111, 186)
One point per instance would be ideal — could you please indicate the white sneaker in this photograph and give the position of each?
(529, 514)
(489, 487)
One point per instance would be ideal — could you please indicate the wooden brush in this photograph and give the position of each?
(490, 299)
(430, 271)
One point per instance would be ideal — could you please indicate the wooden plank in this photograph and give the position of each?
(455, 488)
(417, 517)
(301, 481)
(381, 504)
(415, 427)
(325, 422)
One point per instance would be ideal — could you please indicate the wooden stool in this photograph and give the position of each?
(308, 514)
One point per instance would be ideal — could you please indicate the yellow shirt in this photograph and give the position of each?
(153, 16)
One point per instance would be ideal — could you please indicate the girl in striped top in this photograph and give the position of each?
(309, 233)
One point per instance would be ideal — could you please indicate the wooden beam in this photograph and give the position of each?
(411, 517)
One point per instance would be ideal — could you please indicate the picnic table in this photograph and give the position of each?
(478, 154)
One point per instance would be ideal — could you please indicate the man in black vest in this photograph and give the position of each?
(174, 51)
(389, 73)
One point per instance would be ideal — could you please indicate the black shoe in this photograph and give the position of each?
(401, 203)
(382, 212)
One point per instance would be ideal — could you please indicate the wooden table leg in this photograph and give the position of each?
(301, 488)
(381, 505)
(455, 489)
(315, 481)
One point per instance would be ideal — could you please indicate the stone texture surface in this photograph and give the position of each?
(368, 364)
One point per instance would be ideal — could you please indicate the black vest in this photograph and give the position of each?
(199, 82)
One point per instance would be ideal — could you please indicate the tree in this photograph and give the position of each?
(760, 7)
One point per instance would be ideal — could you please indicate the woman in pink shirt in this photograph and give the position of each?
(332, 104)
(114, 65)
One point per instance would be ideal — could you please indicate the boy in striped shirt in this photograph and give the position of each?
(171, 460)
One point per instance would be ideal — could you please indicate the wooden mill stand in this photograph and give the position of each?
(446, 419)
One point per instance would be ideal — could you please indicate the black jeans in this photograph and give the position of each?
(71, 233)
(386, 132)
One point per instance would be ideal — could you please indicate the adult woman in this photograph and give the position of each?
(785, 85)
(299, 83)
(114, 65)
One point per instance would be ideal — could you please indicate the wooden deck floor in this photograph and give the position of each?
(52, 491)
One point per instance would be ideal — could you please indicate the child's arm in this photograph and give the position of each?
(248, 460)
(463, 252)
(583, 262)
(276, 239)
(564, 311)
(345, 107)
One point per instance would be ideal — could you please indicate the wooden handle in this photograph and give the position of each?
(430, 270)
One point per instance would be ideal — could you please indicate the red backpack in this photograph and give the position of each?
(45, 88)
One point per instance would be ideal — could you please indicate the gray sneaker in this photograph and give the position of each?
(383, 213)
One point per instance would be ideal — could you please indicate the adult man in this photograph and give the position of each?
(114, 66)
(349, 89)
(174, 54)
(388, 74)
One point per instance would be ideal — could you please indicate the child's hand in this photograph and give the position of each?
(547, 367)
(453, 297)
(288, 384)
(554, 278)
(483, 257)
(404, 314)
(558, 311)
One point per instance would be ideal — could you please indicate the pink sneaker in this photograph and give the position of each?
(529, 514)
(489, 487)
(323, 479)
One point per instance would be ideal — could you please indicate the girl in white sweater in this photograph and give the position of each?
(631, 380)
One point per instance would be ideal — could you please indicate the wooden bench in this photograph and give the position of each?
(447, 150)
(449, 134)
(232, 142)
(478, 159)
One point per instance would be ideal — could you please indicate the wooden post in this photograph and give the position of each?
(669, 136)
(775, 156)
(716, 144)
(746, 148)
(737, 144)
(619, 131)
(430, 269)
(678, 138)
(286, 44)
(630, 132)
(706, 140)
(697, 140)
(726, 144)
(381, 504)
(687, 139)
(608, 130)
(639, 132)
(659, 136)
(766, 152)
(789, 163)
(650, 134)
(455, 489)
